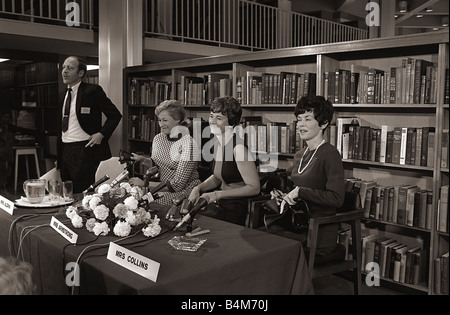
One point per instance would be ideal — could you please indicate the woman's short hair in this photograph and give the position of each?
(323, 109)
(230, 107)
(175, 110)
(15, 277)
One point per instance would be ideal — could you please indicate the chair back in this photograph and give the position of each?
(111, 167)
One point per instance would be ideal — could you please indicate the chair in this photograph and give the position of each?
(111, 167)
(335, 263)
(320, 266)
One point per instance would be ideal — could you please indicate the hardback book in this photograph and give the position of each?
(424, 149)
(389, 146)
(377, 255)
(443, 210)
(430, 210)
(422, 209)
(403, 144)
(402, 202)
(409, 264)
(418, 155)
(369, 252)
(419, 270)
(383, 253)
(389, 260)
(444, 148)
(444, 274)
(399, 254)
(342, 124)
(410, 205)
(431, 147)
(420, 70)
(437, 276)
(364, 241)
(386, 202)
(396, 145)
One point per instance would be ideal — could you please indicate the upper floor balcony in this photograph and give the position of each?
(238, 24)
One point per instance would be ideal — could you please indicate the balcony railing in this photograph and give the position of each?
(48, 11)
(241, 24)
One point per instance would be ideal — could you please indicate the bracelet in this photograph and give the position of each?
(215, 196)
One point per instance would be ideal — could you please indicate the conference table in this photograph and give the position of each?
(234, 260)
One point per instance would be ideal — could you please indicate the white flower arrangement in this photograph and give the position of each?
(116, 209)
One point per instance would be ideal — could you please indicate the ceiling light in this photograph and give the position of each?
(3, 60)
(419, 15)
(444, 21)
(403, 6)
(92, 67)
(435, 28)
(429, 9)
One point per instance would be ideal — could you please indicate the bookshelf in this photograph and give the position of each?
(269, 100)
(36, 90)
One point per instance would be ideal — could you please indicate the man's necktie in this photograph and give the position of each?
(65, 121)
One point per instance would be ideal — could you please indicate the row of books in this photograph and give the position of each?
(268, 88)
(7, 77)
(40, 96)
(143, 127)
(37, 72)
(412, 82)
(407, 205)
(145, 91)
(396, 261)
(272, 137)
(194, 90)
(398, 145)
(441, 274)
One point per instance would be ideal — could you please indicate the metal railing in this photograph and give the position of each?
(241, 24)
(47, 11)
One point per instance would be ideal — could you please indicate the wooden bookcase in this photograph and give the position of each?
(383, 53)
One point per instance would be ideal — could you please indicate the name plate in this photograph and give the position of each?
(130, 260)
(64, 231)
(6, 205)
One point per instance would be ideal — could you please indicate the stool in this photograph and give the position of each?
(25, 151)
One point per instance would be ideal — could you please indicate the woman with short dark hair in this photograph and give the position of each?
(235, 176)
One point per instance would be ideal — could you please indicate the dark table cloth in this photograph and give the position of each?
(234, 260)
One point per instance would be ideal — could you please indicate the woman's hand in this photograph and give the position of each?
(138, 157)
(210, 197)
(136, 181)
(194, 195)
(291, 197)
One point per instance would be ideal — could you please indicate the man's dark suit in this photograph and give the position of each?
(91, 102)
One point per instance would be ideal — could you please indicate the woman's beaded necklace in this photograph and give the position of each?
(300, 170)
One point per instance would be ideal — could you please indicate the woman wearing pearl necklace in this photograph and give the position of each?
(318, 173)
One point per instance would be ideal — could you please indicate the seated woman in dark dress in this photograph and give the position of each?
(235, 176)
(318, 173)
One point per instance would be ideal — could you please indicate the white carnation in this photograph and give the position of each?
(103, 189)
(93, 203)
(131, 203)
(122, 229)
(101, 229)
(101, 212)
(77, 221)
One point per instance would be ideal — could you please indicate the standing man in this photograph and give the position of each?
(82, 139)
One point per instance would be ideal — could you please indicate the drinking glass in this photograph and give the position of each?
(54, 190)
(68, 190)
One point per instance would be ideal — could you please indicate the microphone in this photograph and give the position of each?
(200, 204)
(97, 183)
(150, 173)
(119, 178)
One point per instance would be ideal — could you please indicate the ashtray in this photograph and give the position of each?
(186, 243)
